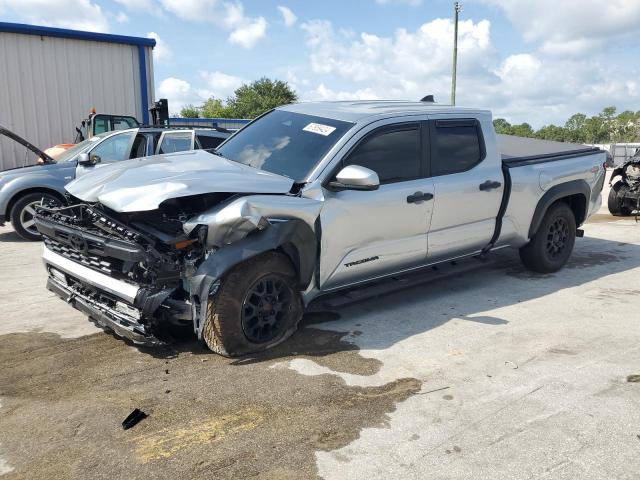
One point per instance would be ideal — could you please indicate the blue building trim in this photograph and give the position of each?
(142, 59)
(75, 34)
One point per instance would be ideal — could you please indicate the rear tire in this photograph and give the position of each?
(614, 202)
(23, 211)
(550, 247)
(256, 307)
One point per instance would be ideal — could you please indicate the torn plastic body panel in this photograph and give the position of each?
(248, 226)
(295, 238)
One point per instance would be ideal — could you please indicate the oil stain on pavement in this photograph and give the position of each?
(209, 417)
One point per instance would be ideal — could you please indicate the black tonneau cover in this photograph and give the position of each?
(525, 151)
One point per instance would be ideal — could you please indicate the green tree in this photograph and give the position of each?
(190, 111)
(552, 132)
(254, 99)
(502, 126)
(248, 101)
(575, 128)
(522, 130)
(213, 108)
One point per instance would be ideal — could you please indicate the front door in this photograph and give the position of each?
(112, 149)
(366, 234)
(468, 186)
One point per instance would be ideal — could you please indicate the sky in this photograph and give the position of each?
(538, 61)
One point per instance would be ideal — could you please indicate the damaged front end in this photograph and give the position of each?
(138, 272)
(626, 191)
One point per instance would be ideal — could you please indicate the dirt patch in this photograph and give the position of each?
(209, 417)
(584, 259)
(633, 378)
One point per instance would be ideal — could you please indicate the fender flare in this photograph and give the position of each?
(555, 193)
(294, 238)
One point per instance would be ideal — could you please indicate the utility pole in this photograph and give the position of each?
(456, 8)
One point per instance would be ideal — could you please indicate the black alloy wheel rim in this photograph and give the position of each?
(264, 308)
(557, 237)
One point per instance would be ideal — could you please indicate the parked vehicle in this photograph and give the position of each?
(97, 123)
(306, 200)
(624, 196)
(22, 188)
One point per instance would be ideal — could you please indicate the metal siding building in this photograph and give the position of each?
(50, 78)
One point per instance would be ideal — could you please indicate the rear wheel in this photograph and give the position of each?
(24, 211)
(256, 307)
(614, 201)
(551, 246)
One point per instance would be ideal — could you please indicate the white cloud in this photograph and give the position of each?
(244, 31)
(412, 3)
(179, 93)
(288, 17)
(571, 26)
(161, 52)
(139, 5)
(121, 17)
(324, 93)
(73, 14)
(220, 85)
(531, 86)
(247, 34)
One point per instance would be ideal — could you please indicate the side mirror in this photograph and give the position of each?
(88, 160)
(355, 177)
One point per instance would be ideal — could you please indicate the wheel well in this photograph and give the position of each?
(290, 251)
(29, 191)
(578, 205)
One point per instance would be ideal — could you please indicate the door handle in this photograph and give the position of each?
(419, 197)
(489, 185)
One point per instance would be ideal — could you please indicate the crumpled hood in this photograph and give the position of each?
(144, 183)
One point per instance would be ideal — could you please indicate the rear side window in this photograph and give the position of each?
(209, 142)
(394, 154)
(175, 142)
(456, 146)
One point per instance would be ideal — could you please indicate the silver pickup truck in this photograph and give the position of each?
(306, 200)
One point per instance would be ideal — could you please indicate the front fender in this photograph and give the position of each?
(34, 181)
(294, 238)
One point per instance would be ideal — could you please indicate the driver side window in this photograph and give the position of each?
(114, 148)
(394, 153)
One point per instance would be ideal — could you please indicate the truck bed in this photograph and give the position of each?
(516, 151)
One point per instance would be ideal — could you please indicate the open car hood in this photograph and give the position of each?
(143, 184)
(4, 131)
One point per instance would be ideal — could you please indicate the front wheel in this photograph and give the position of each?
(256, 307)
(551, 246)
(24, 211)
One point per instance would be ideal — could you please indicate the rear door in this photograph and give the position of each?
(366, 234)
(468, 186)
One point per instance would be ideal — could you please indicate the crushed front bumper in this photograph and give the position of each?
(109, 302)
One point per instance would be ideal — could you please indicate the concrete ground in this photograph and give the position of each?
(495, 373)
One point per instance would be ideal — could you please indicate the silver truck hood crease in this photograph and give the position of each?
(232, 221)
(143, 184)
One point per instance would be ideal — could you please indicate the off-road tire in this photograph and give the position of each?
(222, 329)
(614, 202)
(17, 214)
(550, 247)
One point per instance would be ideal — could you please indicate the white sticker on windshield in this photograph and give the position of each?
(319, 129)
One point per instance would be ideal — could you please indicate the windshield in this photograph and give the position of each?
(286, 143)
(81, 147)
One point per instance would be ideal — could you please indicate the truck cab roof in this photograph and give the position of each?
(367, 110)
